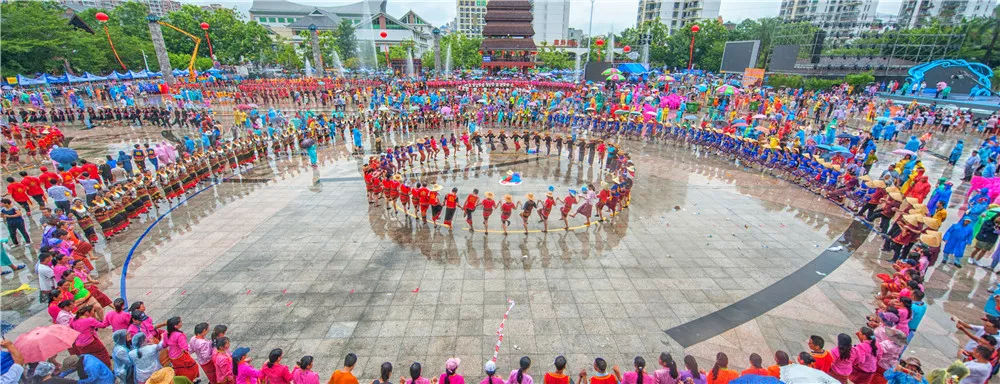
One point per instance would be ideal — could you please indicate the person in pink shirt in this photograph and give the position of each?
(868, 353)
(450, 376)
(273, 371)
(633, 377)
(669, 373)
(415, 378)
(245, 373)
(491, 369)
(224, 373)
(118, 318)
(88, 342)
(843, 358)
(520, 375)
(177, 350)
(303, 373)
(203, 352)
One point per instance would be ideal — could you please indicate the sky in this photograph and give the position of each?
(609, 15)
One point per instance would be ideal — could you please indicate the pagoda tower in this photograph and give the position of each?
(507, 36)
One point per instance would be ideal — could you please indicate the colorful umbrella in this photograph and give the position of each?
(41, 343)
(615, 77)
(904, 152)
(610, 71)
(665, 78)
(726, 90)
(759, 116)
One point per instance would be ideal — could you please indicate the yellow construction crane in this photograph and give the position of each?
(192, 73)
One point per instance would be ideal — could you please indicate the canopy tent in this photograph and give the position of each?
(632, 68)
(56, 79)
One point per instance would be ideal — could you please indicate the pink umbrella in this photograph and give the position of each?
(41, 343)
(941, 85)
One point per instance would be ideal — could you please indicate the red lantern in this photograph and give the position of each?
(102, 17)
(599, 42)
(384, 34)
(626, 49)
(695, 29)
(204, 26)
(480, 52)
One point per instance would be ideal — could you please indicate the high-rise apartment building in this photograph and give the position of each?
(833, 16)
(676, 13)
(551, 20)
(918, 13)
(469, 19)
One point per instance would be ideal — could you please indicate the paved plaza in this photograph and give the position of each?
(709, 257)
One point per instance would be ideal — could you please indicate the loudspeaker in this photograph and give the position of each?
(817, 46)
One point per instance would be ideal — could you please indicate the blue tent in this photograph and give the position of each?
(634, 68)
(155, 74)
(92, 77)
(76, 79)
(57, 79)
(21, 80)
(138, 75)
(120, 76)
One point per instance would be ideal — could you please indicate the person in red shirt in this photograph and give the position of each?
(47, 178)
(19, 193)
(546, 209)
(505, 211)
(824, 360)
(470, 206)
(91, 169)
(558, 377)
(32, 149)
(602, 199)
(68, 180)
(567, 207)
(488, 206)
(756, 366)
(450, 205)
(404, 197)
(34, 188)
(390, 187)
(423, 197)
(76, 170)
(435, 203)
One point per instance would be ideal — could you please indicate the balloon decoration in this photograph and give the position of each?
(599, 42)
(695, 29)
(205, 26)
(103, 19)
(383, 34)
(626, 49)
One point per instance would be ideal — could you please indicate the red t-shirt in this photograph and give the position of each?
(48, 179)
(34, 185)
(555, 378)
(423, 195)
(569, 201)
(507, 207)
(609, 379)
(432, 198)
(824, 361)
(76, 171)
(470, 201)
(489, 204)
(92, 170)
(451, 200)
(18, 192)
(604, 195)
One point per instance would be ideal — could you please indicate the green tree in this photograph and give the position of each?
(234, 39)
(43, 41)
(552, 58)
(464, 51)
(659, 34)
(709, 44)
(345, 42)
(758, 29)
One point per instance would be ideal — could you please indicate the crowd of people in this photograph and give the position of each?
(792, 134)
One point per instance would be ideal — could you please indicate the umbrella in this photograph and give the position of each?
(719, 123)
(621, 112)
(899, 118)
(801, 374)
(726, 90)
(739, 125)
(755, 379)
(610, 71)
(882, 119)
(690, 117)
(635, 112)
(650, 113)
(383, 108)
(307, 142)
(665, 78)
(904, 152)
(615, 77)
(41, 343)
(941, 85)
(759, 116)
(446, 110)
(737, 121)
(483, 101)
(845, 136)
(63, 155)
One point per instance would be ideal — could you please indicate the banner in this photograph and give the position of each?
(11, 80)
(752, 76)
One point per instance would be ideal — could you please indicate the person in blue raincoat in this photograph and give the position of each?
(126, 161)
(956, 152)
(941, 194)
(890, 131)
(311, 151)
(877, 130)
(979, 202)
(188, 144)
(913, 145)
(356, 135)
(958, 236)
(990, 169)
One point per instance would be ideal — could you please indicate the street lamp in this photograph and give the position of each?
(694, 29)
